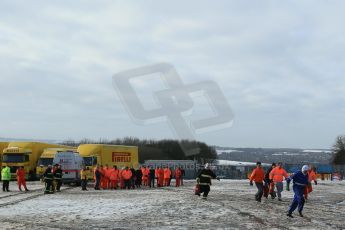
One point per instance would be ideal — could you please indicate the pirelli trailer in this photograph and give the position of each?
(110, 155)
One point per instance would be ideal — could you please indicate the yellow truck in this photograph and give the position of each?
(47, 158)
(111, 155)
(3, 145)
(25, 154)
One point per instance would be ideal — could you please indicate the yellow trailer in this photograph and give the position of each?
(47, 158)
(25, 154)
(111, 155)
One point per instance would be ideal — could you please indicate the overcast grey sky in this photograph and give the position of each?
(280, 65)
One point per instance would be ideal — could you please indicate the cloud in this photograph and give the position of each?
(280, 66)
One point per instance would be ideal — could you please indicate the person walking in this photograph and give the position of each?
(21, 178)
(204, 180)
(258, 176)
(268, 183)
(83, 177)
(277, 175)
(300, 181)
(311, 177)
(5, 177)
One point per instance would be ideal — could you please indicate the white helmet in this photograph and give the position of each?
(305, 168)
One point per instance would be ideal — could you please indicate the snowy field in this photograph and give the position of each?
(230, 205)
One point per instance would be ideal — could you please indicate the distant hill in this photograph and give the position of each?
(269, 155)
(3, 139)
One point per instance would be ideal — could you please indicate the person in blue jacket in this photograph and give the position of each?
(300, 181)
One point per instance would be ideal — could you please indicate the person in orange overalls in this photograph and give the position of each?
(21, 178)
(160, 177)
(106, 175)
(146, 172)
(277, 176)
(167, 175)
(311, 177)
(258, 176)
(127, 175)
(178, 175)
(114, 177)
(108, 171)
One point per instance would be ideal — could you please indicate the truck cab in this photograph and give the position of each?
(15, 157)
(90, 163)
(3, 145)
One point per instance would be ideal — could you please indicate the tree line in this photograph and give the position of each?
(166, 149)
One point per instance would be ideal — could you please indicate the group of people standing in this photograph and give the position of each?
(129, 178)
(6, 178)
(52, 178)
(267, 182)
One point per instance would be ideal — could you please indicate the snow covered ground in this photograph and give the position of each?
(230, 205)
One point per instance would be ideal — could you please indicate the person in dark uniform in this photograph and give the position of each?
(97, 177)
(152, 177)
(58, 177)
(48, 179)
(138, 175)
(133, 178)
(204, 180)
(268, 182)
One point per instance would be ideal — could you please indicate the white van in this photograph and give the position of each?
(71, 164)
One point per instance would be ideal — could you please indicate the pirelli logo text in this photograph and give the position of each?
(12, 151)
(121, 157)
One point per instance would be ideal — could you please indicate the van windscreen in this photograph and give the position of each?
(45, 161)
